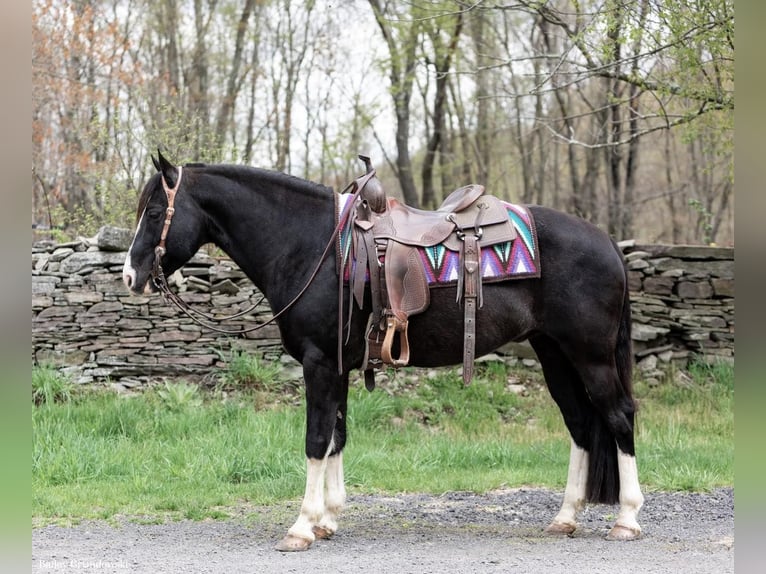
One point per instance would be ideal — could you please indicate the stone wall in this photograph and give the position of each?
(85, 322)
(682, 300)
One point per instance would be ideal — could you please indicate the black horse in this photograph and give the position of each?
(576, 316)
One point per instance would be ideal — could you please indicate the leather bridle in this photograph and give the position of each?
(158, 275)
(203, 319)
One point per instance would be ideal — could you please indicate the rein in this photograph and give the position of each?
(203, 319)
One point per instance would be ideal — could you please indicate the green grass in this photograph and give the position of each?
(685, 433)
(49, 386)
(174, 452)
(245, 370)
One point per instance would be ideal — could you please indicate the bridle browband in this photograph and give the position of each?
(203, 319)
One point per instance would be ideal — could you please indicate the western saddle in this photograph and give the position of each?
(386, 235)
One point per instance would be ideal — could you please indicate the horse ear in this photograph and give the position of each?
(156, 163)
(168, 170)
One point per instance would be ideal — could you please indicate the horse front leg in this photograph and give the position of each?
(325, 495)
(334, 498)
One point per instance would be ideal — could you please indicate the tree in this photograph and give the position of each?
(401, 37)
(662, 66)
(620, 112)
(443, 55)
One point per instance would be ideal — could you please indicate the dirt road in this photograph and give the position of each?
(455, 533)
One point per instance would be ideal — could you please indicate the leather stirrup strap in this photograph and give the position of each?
(343, 219)
(369, 379)
(471, 258)
(371, 353)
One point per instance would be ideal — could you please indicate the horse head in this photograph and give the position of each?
(168, 229)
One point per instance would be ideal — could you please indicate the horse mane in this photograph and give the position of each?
(271, 177)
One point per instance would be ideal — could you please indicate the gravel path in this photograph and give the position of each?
(457, 533)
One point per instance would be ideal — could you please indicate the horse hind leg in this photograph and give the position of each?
(626, 526)
(568, 393)
(565, 522)
(614, 403)
(599, 413)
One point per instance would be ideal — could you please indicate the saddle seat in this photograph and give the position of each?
(460, 210)
(386, 237)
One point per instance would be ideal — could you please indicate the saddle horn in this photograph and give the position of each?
(373, 192)
(367, 162)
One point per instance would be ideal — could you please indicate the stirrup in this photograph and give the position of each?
(395, 325)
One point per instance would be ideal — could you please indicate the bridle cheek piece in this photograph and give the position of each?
(170, 193)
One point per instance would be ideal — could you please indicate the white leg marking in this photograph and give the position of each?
(335, 493)
(313, 505)
(631, 499)
(574, 494)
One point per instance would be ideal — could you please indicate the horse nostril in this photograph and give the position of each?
(128, 280)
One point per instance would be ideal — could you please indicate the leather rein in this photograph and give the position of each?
(205, 320)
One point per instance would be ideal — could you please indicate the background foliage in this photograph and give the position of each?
(617, 110)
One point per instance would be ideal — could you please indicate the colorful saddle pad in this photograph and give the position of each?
(517, 259)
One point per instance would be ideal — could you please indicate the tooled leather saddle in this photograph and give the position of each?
(386, 235)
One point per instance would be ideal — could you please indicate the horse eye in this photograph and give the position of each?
(155, 212)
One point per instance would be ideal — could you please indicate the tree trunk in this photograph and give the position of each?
(482, 98)
(442, 64)
(402, 52)
(225, 111)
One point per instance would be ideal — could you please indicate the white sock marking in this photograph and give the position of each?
(313, 505)
(631, 498)
(335, 493)
(577, 480)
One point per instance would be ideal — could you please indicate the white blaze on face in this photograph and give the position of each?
(128, 272)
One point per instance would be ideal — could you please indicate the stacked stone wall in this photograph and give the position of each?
(86, 323)
(682, 301)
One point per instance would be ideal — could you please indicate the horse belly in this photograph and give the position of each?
(436, 336)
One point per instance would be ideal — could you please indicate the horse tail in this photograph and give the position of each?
(624, 349)
(603, 473)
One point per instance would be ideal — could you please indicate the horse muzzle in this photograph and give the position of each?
(130, 279)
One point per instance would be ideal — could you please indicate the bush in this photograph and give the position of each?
(179, 396)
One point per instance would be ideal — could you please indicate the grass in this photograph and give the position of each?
(49, 386)
(685, 432)
(175, 452)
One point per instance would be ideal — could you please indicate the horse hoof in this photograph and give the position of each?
(619, 532)
(292, 543)
(322, 533)
(560, 528)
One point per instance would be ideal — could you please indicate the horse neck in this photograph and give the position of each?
(274, 233)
